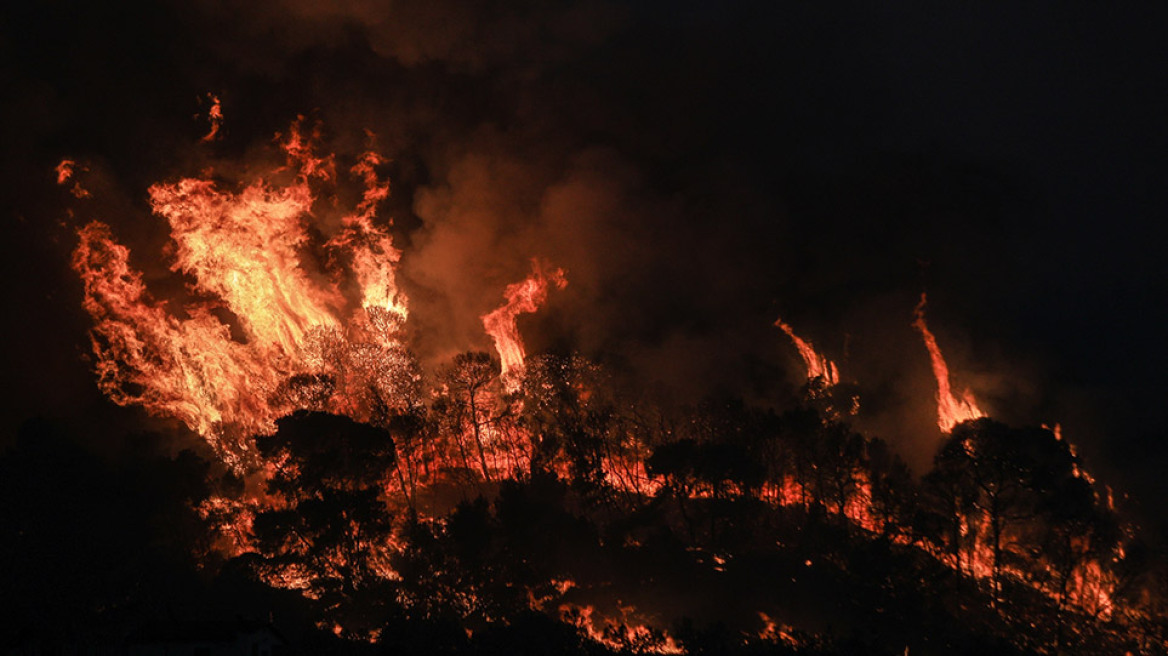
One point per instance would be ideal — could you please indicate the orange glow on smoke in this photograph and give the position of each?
(522, 297)
(950, 409)
(818, 366)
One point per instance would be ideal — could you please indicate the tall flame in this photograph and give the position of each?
(244, 252)
(373, 255)
(329, 340)
(950, 409)
(818, 366)
(522, 297)
(244, 249)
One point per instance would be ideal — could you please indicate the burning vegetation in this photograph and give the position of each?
(506, 497)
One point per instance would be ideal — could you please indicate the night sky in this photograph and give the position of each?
(699, 169)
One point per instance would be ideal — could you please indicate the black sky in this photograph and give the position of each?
(699, 169)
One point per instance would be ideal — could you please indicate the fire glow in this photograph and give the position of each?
(522, 297)
(292, 309)
(243, 252)
(950, 409)
(817, 365)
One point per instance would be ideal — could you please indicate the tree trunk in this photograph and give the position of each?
(474, 419)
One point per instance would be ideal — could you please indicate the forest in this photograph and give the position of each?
(575, 515)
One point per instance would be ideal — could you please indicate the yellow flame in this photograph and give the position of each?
(243, 251)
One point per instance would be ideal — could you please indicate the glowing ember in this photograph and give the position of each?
(950, 409)
(624, 634)
(772, 631)
(818, 366)
(522, 297)
(215, 116)
(65, 171)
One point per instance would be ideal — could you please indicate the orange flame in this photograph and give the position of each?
(65, 170)
(244, 251)
(950, 409)
(215, 116)
(522, 297)
(189, 369)
(373, 253)
(624, 633)
(818, 366)
(310, 339)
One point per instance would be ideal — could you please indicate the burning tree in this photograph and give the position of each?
(502, 487)
(465, 404)
(1019, 505)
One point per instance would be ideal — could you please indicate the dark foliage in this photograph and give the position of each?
(988, 554)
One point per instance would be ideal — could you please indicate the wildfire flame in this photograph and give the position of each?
(950, 409)
(269, 333)
(625, 633)
(215, 116)
(188, 369)
(65, 171)
(522, 297)
(818, 366)
(244, 252)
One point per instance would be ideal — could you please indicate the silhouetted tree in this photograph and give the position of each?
(838, 455)
(568, 410)
(330, 530)
(1001, 473)
(798, 431)
(894, 494)
(413, 433)
(676, 463)
(467, 405)
(1077, 533)
(948, 501)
